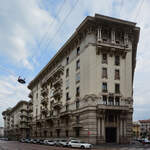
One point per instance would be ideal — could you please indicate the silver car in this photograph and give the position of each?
(78, 144)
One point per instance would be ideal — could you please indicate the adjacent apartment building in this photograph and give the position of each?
(145, 128)
(16, 121)
(1, 132)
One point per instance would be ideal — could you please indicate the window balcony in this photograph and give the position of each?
(23, 115)
(44, 110)
(24, 126)
(57, 104)
(44, 91)
(44, 101)
(56, 72)
(57, 93)
(30, 109)
(23, 120)
(57, 82)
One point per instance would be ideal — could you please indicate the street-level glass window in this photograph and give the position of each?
(77, 119)
(67, 133)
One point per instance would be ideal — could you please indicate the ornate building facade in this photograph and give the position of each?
(16, 121)
(86, 90)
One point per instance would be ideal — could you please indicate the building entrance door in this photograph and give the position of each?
(111, 135)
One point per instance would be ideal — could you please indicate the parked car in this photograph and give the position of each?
(22, 140)
(146, 141)
(57, 142)
(78, 144)
(50, 142)
(34, 141)
(27, 140)
(63, 142)
(41, 141)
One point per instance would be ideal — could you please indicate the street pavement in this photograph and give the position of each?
(14, 145)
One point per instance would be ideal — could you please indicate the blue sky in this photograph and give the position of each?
(32, 31)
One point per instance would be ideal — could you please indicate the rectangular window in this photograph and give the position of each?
(67, 133)
(67, 96)
(78, 51)
(117, 60)
(104, 87)
(77, 130)
(67, 121)
(104, 72)
(117, 74)
(78, 77)
(77, 104)
(117, 101)
(111, 100)
(117, 88)
(77, 64)
(67, 107)
(67, 72)
(77, 91)
(104, 100)
(104, 58)
(67, 84)
(67, 60)
(77, 119)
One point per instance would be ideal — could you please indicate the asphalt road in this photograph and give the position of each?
(13, 145)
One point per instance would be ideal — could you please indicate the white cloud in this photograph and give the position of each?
(11, 93)
(22, 22)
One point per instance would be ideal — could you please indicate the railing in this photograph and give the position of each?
(44, 91)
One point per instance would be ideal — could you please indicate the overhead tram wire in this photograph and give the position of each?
(121, 6)
(51, 24)
(139, 10)
(6, 70)
(62, 24)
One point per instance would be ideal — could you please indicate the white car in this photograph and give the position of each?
(50, 142)
(78, 144)
(63, 142)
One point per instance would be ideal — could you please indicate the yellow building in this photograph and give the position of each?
(136, 129)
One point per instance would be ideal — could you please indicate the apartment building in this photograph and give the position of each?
(145, 127)
(1, 132)
(86, 89)
(136, 129)
(16, 121)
